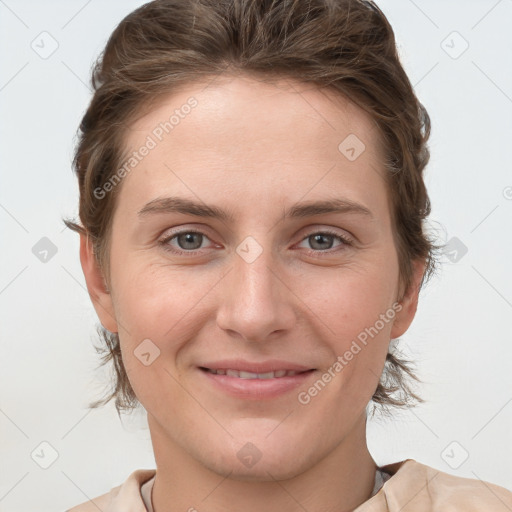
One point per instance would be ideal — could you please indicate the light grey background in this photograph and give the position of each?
(461, 338)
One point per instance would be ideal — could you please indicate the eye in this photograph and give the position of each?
(186, 242)
(323, 240)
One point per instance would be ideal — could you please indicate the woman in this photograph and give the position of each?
(251, 226)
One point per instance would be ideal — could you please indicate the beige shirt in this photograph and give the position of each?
(406, 486)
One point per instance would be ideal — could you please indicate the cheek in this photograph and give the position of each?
(358, 311)
(352, 299)
(358, 339)
(165, 305)
(159, 312)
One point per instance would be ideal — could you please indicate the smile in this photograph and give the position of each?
(255, 385)
(239, 374)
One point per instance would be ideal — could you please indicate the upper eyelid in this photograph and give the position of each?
(309, 229)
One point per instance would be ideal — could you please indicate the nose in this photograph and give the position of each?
(256, 299)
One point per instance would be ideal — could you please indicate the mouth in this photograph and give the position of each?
(240, 374)
(258, 384)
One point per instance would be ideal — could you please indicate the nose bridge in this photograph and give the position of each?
(255, 300)
(255, 273)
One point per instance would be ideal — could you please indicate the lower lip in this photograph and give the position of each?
(257, 389)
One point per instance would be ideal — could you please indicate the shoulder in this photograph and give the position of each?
(123, 497)
(420, 488)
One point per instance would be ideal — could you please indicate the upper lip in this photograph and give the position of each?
(270, 365)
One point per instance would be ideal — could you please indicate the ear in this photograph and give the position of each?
(409, 302)
(100, 296)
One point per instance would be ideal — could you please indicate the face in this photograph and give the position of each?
(254, 281)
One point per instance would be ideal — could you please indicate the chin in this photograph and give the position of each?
(259, 459)
(267, 469)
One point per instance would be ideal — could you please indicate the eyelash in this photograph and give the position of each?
(165, 242)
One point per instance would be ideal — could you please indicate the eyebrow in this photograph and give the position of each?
(299, 210)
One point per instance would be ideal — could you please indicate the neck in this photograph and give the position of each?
(339, 482)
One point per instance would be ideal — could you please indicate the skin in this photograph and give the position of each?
(254, 149)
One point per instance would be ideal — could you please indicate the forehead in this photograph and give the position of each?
(282, 109)
(285, 133)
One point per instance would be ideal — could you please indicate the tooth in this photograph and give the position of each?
(248, 375)
(268, 375)
(251, 375)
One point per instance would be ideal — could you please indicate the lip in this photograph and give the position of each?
(270, 365)
(256, 389)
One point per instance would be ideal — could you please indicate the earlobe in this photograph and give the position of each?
(98, 292)
(409, 302)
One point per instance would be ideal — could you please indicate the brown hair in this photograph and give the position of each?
(347, 46)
